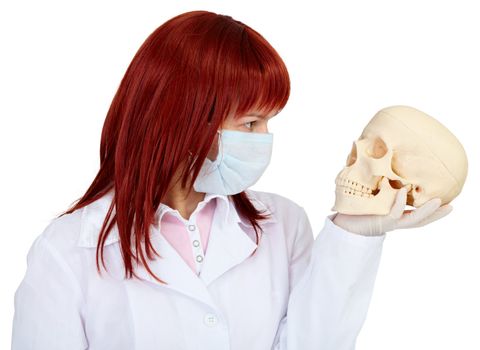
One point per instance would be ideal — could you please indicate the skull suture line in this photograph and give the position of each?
(400, 146)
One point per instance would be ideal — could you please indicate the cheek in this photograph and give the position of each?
(212, 154)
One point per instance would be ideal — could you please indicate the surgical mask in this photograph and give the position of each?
(242, 158)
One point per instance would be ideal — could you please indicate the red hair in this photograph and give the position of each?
(186, 78)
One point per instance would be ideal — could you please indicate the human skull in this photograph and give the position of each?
(400, 146)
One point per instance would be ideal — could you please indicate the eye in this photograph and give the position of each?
(249, 124)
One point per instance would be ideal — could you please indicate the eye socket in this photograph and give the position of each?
(379, 149)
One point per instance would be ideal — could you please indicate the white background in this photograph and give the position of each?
(61, 63)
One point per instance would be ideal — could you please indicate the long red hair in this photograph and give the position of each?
(186, 78)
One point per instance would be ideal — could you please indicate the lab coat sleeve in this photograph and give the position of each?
(47, 303)
(333, 281)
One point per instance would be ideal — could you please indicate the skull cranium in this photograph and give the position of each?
(400, 146)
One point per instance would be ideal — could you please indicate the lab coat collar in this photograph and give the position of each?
(229, 245)
(93, 215)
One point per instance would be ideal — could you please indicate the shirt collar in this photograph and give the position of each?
(93, 215)
(163, 208)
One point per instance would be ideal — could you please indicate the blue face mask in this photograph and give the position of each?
(242, 159)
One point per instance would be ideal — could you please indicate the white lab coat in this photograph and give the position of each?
(279, 298)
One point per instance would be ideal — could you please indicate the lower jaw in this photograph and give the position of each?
(356, 204)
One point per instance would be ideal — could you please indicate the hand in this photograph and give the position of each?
(374, 225)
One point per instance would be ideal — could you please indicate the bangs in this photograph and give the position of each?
(260, 79)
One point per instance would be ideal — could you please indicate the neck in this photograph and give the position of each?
(178, 198)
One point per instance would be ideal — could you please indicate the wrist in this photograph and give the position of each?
(346, 222)
(337, 220)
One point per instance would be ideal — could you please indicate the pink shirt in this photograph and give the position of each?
(189, 237)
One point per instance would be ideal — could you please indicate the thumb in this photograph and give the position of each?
(428, 208)
(399, 204)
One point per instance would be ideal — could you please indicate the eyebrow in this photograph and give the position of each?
(262, 116)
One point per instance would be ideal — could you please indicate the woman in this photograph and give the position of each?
(168, 248)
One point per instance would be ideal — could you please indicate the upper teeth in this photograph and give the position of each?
(353, 187)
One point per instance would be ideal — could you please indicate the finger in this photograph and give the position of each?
(412, 218)
(399, 204)
(441, 212)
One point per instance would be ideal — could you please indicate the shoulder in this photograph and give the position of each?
(291, 219)
(273, 199)
(62, 232)
(283, 208)
(57, 242)
(53, 259)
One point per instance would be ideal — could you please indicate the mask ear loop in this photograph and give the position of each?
(214, 164)
(190, 154)
(220, 145)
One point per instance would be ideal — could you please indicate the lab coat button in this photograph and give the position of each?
(199, 258)
(196, 243)
(210, 320)
(191, 227)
